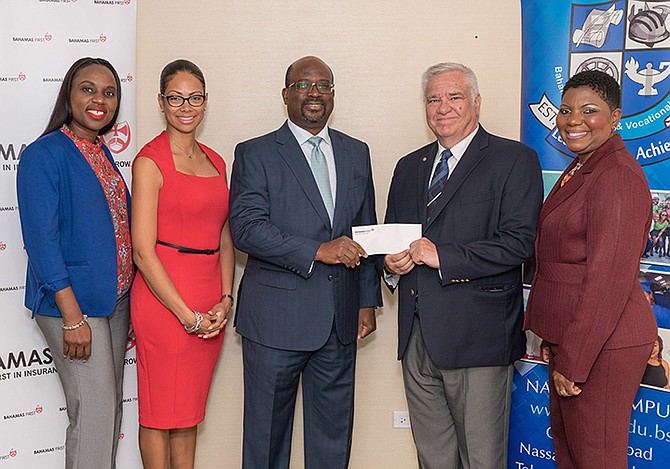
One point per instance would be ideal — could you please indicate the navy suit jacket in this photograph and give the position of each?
(278, 218)
(472, 315)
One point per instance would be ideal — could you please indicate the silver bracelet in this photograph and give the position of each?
(75, 326)
(198, 320)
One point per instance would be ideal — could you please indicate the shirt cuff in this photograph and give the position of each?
(391, 279)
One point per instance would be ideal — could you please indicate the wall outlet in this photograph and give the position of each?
(400, 419)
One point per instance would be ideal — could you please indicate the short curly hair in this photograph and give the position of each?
(600, 82)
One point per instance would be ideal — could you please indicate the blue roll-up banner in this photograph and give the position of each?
(530, 443)
(630, 40)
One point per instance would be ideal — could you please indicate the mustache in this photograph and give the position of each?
(313, 101)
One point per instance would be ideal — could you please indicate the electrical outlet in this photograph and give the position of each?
(400, 419)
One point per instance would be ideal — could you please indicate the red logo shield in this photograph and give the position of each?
(130, 344)
(118, 138)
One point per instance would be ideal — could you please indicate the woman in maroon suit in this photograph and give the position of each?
(586, 302)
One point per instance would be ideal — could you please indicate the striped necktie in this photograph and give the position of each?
(320, 171)
(437, 183)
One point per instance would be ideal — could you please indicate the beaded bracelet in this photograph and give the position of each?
(75, 326)
(198, 320)
(228, 295)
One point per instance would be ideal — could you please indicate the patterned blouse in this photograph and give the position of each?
(115, 191)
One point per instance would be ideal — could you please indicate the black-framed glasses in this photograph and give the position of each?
(305, 86)
(175, 100)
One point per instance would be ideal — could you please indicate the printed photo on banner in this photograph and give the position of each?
(657, 251)
(657, 373)
(656, 286)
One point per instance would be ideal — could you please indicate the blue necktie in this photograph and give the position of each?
(320, 171)
(437, 183)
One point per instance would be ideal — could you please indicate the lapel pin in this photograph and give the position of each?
(424, 159)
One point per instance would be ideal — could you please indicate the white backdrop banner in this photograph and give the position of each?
(39, 40)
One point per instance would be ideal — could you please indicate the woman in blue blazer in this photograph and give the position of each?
(73, 205)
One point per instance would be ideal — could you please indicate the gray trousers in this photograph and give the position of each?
(459, 417)
(93, 390)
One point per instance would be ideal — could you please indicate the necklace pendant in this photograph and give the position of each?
(189, 155)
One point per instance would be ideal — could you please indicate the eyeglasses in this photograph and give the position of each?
(174, 100)
(305, 86)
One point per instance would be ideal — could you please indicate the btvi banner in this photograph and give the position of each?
(629, 40)
(530, 441)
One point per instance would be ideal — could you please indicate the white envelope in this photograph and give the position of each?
(386, 239)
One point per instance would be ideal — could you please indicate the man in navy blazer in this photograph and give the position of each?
(460, 312)
(308, 290)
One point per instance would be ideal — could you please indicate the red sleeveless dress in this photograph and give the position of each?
(174, 369)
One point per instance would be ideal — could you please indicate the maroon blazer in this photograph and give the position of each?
(592, 231)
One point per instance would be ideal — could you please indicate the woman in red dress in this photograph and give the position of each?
(181, 296)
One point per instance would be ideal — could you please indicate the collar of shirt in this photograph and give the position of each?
(457, 152)
(301, 135)
(82, 143)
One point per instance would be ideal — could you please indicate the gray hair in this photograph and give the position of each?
(444, 67)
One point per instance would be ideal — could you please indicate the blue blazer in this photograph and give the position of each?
(278, 218)
(472, 310)
(67, 228)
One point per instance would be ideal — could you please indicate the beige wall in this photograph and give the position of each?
(378, 51)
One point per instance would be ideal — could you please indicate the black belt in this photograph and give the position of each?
(186, 250)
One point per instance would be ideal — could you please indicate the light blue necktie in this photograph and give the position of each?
(320, 171)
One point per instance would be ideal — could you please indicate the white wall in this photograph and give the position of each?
(378, 51)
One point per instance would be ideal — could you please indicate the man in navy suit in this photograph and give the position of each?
(460, 312)
(308, 290)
